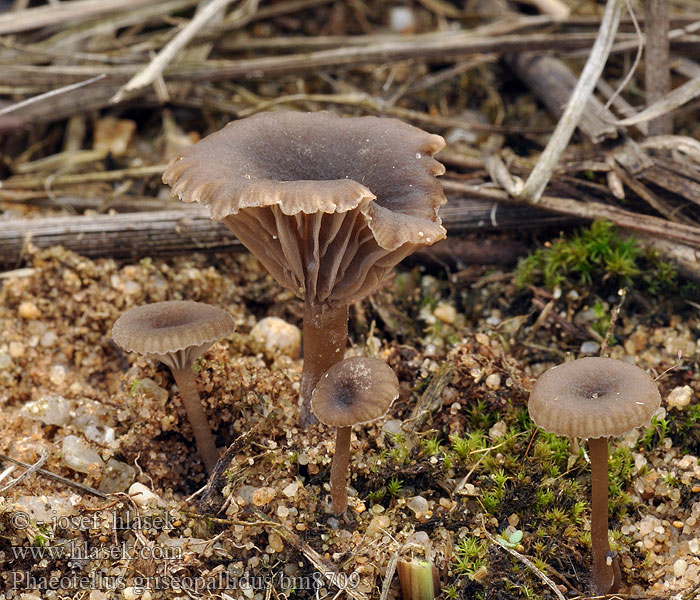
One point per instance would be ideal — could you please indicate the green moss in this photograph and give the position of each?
(490, 502)
(597, 253)
(376, 496)
(432, 446)
(654, 434)
(544, 497)
(399, 454)
(394, 487)
(464, 446)
(470, 555)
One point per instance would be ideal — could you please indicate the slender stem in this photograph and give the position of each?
(603, 574)
(339, 470)
(325, 338)
(197, 417)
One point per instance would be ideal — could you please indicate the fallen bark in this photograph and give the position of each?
(164, 232)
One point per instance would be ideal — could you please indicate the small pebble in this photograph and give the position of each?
(50, 410)
(277, 335)
(378, 523)
(141, 495)
(402, 19)
(418, 505)
(78, 455)
(275, 542)
(129, 593)
(493, 381)
(498, 430)
(45, 508)
(117, 477)
(392, 426)
(16, 349)
(590, 347)
(446, 313)
(28, 310)
(680, 397)
(291, 490)
(57, 374)
(680, 567)
(48, 339)
(263, 496)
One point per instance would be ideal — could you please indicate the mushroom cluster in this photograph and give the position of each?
(329, 205)
(595, 398)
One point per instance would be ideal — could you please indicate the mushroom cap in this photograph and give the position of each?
(174, 332)
(593, 397)
(354, 391)
(328, 204)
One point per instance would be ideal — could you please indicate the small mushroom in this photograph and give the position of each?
(595, 398)
(176, 333)
(354, 391)
(329, 206)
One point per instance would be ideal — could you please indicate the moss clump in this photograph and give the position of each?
(598, 253)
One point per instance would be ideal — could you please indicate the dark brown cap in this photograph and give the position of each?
(355, 390)
(593, 397)
(175, 332)
(328, 204)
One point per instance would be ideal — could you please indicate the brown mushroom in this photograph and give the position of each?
(354, 391)
(176, 333)
(329, 205)
(595, 398)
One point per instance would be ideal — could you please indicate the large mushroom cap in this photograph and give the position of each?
(328, 204)
(593, 397)
(175, 332)
(355, 390)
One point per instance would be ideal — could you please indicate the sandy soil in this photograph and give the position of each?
(441, 485)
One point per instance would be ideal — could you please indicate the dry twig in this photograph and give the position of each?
(64, 480)
(526, 561)
(541, 174)
(165, 56)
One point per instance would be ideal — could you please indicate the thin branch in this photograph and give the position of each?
(42, 16)
(165, 56)
(35, 467)
(637, 58)
(541, 174)
(51, 94)
(590, 210)
(527, 562)
(685, 93)
(65, 480)
(657, 75)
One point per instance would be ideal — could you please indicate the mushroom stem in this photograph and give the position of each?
(339, 470)
(197, 417)
(603, 574)
(325, 338)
